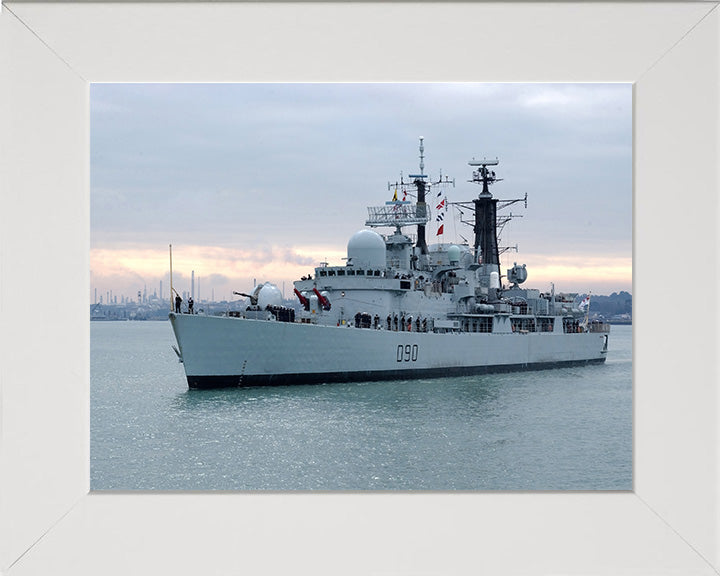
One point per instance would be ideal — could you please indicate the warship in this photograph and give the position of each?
(398, 308)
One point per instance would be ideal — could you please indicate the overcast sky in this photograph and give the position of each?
(264, 181)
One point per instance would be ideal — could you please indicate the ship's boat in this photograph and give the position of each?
(397, 309)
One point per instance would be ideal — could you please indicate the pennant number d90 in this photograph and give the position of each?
(407, 353)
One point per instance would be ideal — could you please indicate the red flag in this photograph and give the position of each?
(440, 230)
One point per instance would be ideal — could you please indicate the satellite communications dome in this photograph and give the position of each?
(366, 249)
(454, 254)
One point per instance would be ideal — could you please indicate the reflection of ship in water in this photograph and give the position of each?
(398, 308)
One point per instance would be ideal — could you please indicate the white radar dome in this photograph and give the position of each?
(269, 295)
(454, 254)
(366, 249)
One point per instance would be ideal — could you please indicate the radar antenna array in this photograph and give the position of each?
(487, 177)
(401, 212)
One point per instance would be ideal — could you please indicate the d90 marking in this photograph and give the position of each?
(407, 353)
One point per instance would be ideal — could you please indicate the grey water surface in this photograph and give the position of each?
(560, 429)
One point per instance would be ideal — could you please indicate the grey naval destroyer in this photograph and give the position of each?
(398, 308)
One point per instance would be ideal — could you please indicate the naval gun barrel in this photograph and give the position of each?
(253, 299)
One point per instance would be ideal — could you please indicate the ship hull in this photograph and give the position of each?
(225, 351)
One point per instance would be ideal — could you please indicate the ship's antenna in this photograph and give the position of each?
(421, 186)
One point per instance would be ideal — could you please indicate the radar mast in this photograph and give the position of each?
(401, 213)
(486, 245)
(486, 223)
(419, 181)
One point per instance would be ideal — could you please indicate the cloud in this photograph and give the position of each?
(217, 278)
(295, 258)
(128, 269)
(575, 272)
(251, 180)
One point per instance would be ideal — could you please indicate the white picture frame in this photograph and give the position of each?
(50, 523)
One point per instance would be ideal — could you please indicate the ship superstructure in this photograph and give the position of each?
(397, 308)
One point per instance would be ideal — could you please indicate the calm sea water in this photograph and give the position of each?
(563, 429)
